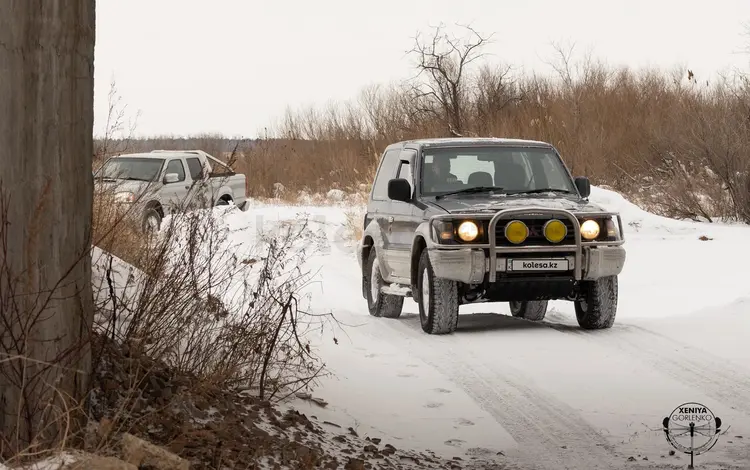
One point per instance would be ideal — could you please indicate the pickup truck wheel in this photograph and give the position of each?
(597, 305)
(151, 221)
(438, 300)
(379, 304)
(533, 310)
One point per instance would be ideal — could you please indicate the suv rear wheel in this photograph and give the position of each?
(379, 304)
(533, 310)
(438, 300)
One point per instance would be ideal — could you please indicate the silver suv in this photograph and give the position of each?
(456, 221)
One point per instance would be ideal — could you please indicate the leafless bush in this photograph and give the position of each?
(230, 317)
(227, 315)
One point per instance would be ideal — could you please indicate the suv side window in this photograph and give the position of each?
(176, 166)
(194, 165)
(386, 172)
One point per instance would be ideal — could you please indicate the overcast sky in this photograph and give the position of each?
(233, 66)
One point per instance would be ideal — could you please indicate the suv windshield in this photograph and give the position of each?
(129, 168)
(515, 170)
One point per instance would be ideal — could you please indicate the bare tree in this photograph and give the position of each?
(495, 92)
(444, 59)
(46, 149)
(109, 144)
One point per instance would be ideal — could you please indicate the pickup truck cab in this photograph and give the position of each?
(456, 221)
(161, 182)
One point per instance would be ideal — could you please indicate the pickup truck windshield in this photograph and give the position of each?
(129, 168)
(509, 170)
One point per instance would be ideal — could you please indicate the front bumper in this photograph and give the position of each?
(470, 266)
(587, 260)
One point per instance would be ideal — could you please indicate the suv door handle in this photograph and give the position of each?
(187, 187)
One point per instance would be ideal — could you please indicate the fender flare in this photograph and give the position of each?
(423, 239)
(374, 233)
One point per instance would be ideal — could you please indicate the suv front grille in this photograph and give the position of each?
(536, 234)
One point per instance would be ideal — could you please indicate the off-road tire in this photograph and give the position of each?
(386, 305)
(150, 213)
(533, 310)
(597, 306)
(440, 316)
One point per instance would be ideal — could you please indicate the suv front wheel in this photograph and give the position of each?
(379, 304)
(597, 305)
(438, 300)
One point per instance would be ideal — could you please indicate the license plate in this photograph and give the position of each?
(560, 264)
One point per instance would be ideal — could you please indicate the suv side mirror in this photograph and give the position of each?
(399, 189)
(584, 186)
(171, 178)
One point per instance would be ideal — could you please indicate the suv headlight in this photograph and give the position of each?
(457, 231)
(468, 231)
(590, 229)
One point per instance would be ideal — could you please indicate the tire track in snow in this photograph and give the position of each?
(550, 434)
(718, 378)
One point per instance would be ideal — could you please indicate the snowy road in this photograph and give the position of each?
(548, 394)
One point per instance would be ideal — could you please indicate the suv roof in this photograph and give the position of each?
(468, 141)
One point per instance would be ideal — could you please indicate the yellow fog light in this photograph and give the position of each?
(590, 229)
(516, 232)
(468, 231)
(555, 231)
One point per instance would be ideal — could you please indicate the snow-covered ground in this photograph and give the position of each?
(546, 394)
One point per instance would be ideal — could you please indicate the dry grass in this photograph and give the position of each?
(354, 226)
(671, 141)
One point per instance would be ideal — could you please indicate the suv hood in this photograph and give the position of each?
(482, 204)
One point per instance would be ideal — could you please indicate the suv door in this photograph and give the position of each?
(402, 223)
(378, 209)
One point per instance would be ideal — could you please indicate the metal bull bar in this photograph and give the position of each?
(504, 214)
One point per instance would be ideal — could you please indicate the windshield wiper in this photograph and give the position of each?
(543, 190)
(474, 189)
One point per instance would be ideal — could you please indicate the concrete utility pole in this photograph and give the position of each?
(46, 191)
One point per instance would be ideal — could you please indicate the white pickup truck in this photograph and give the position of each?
(165, 181)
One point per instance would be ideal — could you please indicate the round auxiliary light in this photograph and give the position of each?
(590, 229)
(516, 232)
(468, 231)
(555, 231)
